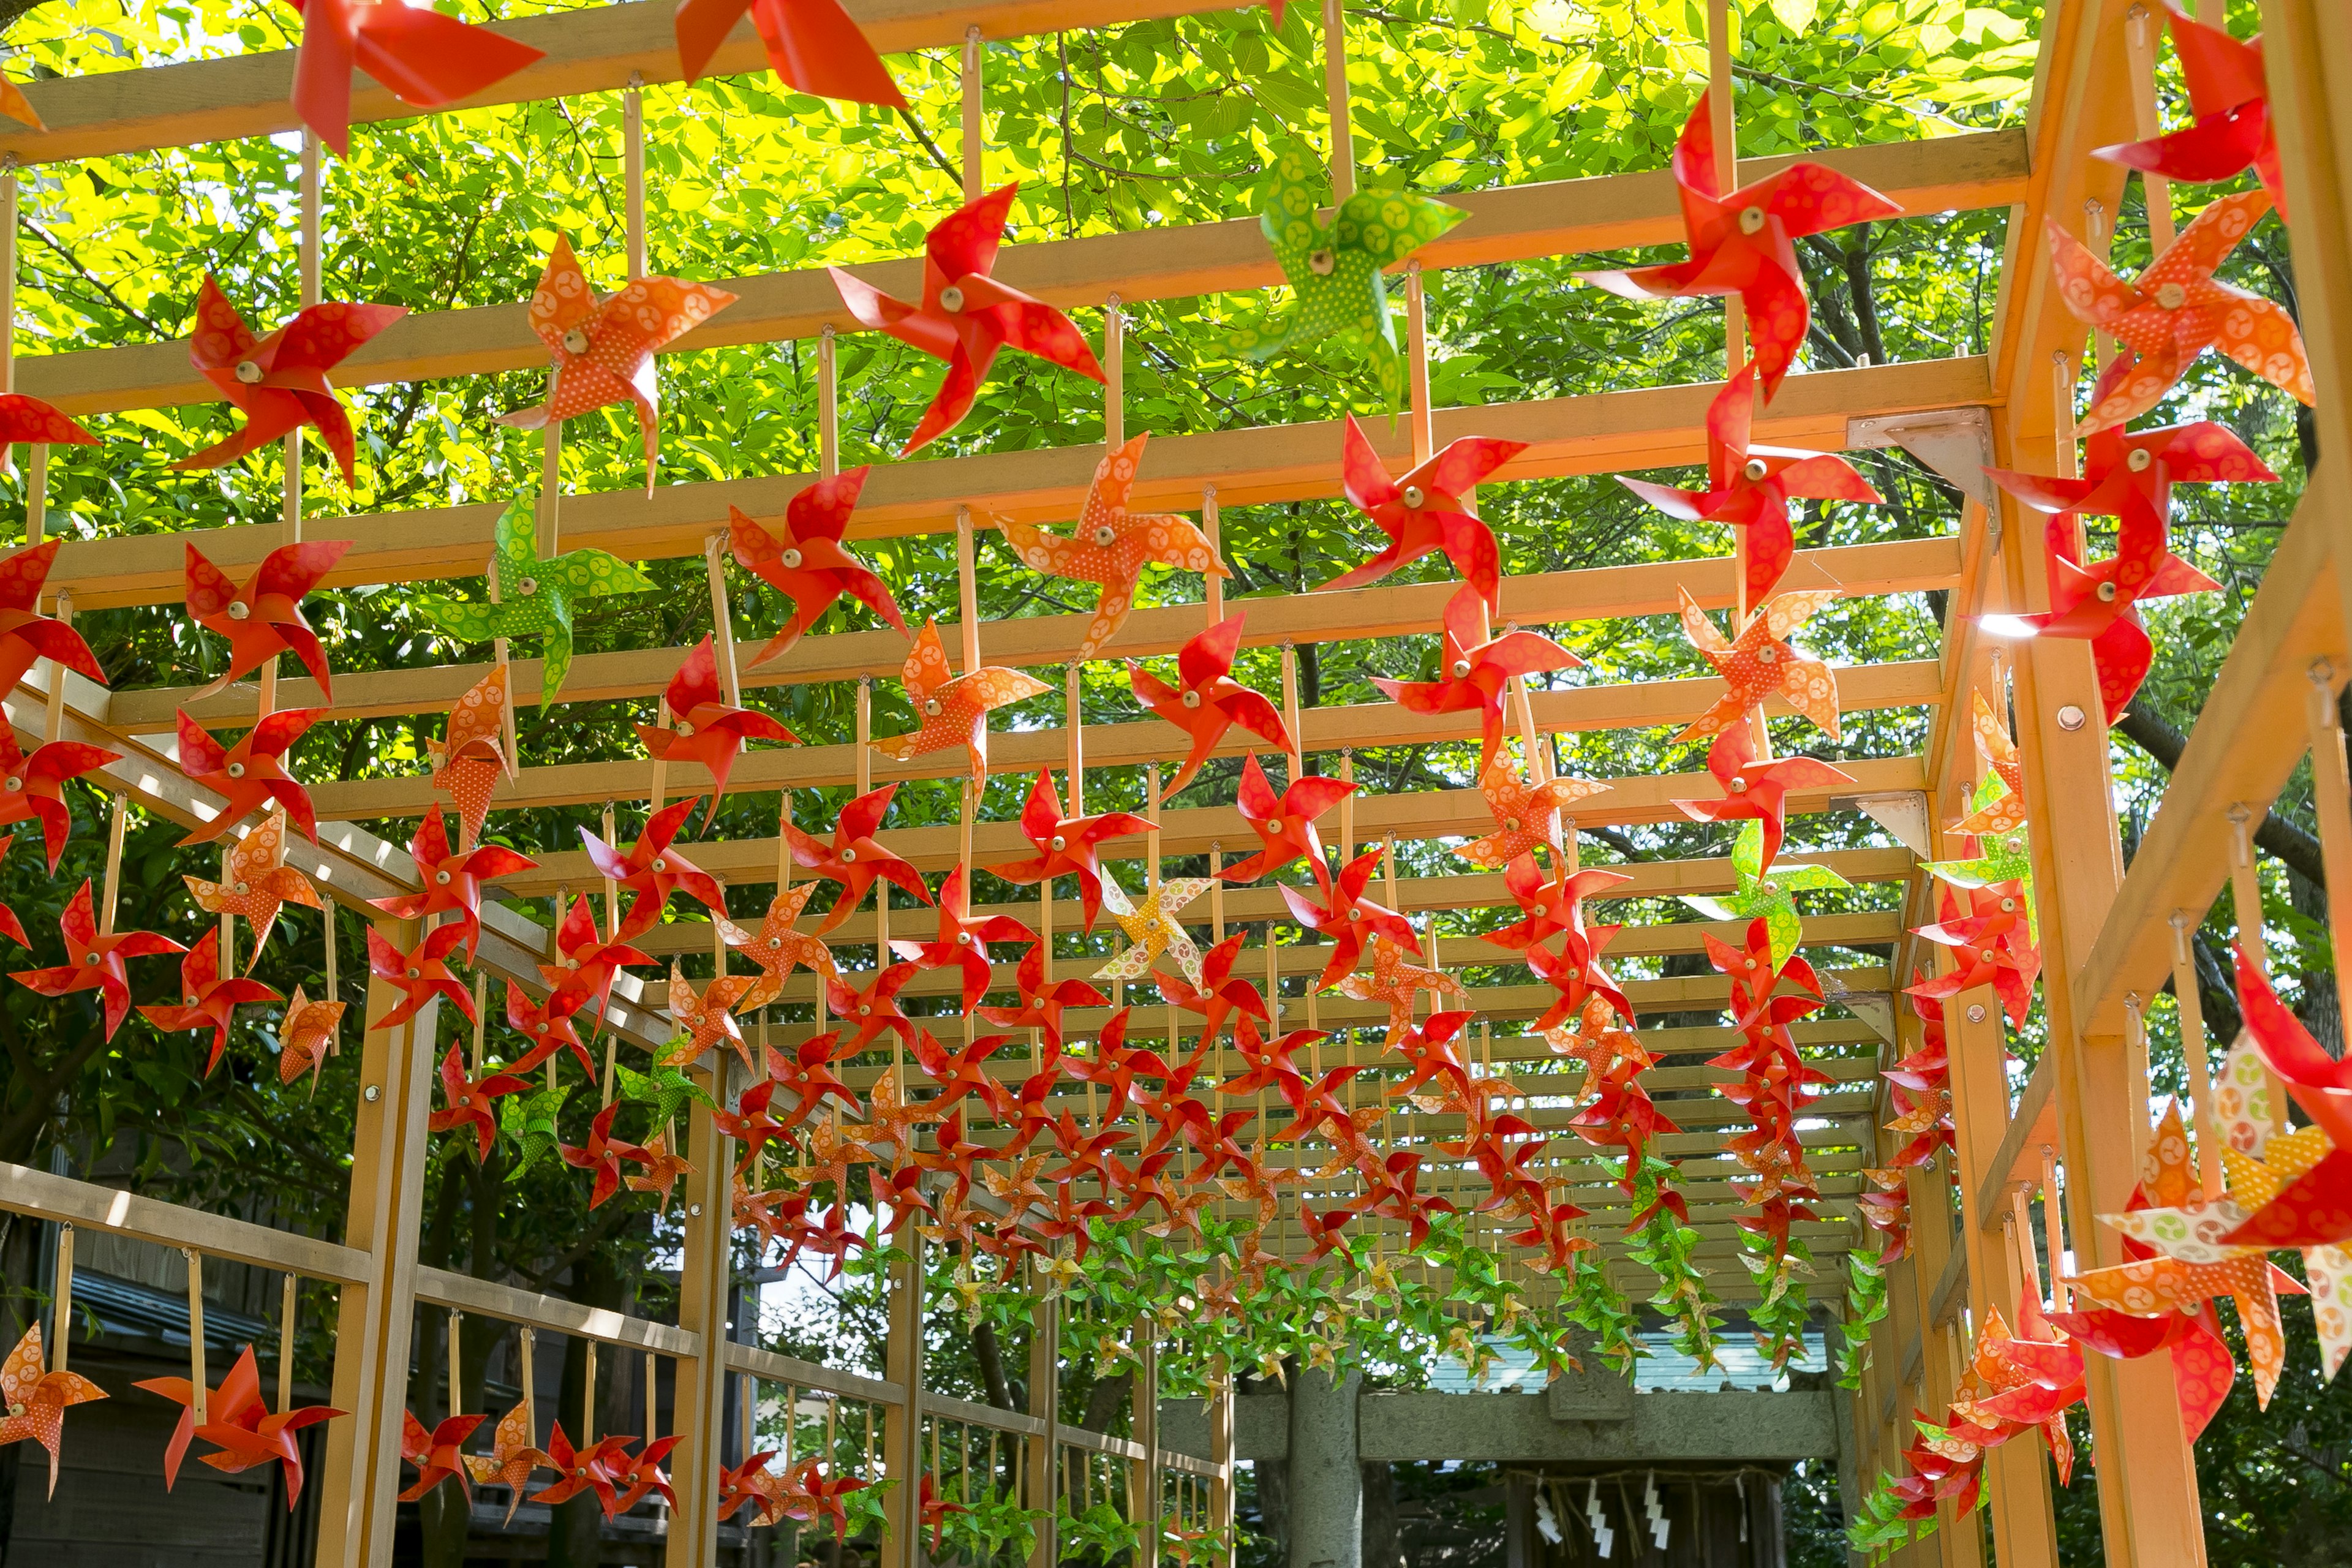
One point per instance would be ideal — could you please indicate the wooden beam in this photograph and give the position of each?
(93, 1207)
(495, 1299)
(1540, 599)
(1638, 428)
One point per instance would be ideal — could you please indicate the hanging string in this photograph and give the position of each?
(327, 922)
(529, 1398)
(61, 1301)
(197, 1385)
(114, 861)
(456, 1383)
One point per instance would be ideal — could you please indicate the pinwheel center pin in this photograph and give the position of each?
(1059, 842)
(243, 889)
(1751, 220)
(237, 770)
(15, 782)
(1415, 496)
(571, 963)
(1355, 914)
(775, 942)
(526, 587)
(2106, 592)
(89, 958)
(1322, 263)
(963, 939)
(792, 559)
(951, 300)
(1767, 655)
(2140, 462)
(575, 342)
(239, 609)
(15, 1410)
(1754, 469)
(2009, 906)
(2171, 296)
(1461, 669)
(849, 855)
(1511, 825)
(248, 371)
(866, 1009)
(441, 878)
(1747, 963)
(1191, 699)
(1738, 786)
(415, 972)
(931, 707)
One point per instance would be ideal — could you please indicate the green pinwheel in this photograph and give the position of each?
(1768, 898)
(2004, 856)
(666, 1089)
(535, 596)
(1334, 265)
(529, 1121)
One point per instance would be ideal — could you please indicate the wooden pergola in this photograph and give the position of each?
(2109, 940)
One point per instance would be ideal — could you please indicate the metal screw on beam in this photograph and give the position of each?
(1976, 1012)
(2072, 718)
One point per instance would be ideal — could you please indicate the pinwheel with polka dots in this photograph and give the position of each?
(952, 710)
(1207, 701)
(1759, 664)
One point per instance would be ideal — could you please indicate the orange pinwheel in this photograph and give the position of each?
(511, 1458)
(547, 1027)
(306, 1036)
(1284, 823)
(1429, 510)
(1527, 815)
(1475, 667)
(966, 316)
(2229, 96)
(2175, 311)
(33, 1401)
(280, 381)
(812, 46)
(589, 1470)
(1067, 846)
(452, 880)
(2005, 813)
(962, 941)
(662, 1167)
(1397, 983)
(469, 757)
(419, 975)
(425, 58)
(1991, 937)
(1748, 487)
(707, 1019)
(1042, 1002)
(469, 1102)
(777, 948)
(29, 419)
(603, 349)
(2145, 463)
(953, 709)
(438, 1455)
(855, 859)
(652, 871)
(95, 959)
(256, 881)
(1219, 993)
(1758, 790)
(1210, 701)
(33, 787)
(26, 634)
(1744, 243)
(1761, 664)
(249, 774)
(1112, 545)
(206, 1001)
(1348, 917)
(239, 1425)
(805, 562)
(264, 618)
(866, 1013)
(703, 728)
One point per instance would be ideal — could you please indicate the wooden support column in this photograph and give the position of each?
(903, 1426)
(1046, 1404)
(699, 1403)
(1147, 1432)
(360, 1478)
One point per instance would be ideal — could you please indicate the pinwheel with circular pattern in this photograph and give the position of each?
(95, 959)
(812, 45)
(1547, 905)
(280, 381)
(1766, 894)
(706, 1018)
(966, 315)
(1334, 265)
(1429, 508)
(1744, 243)
(1348, 918)
(652, 870)
(1748, 487)
(425, 58)
(1042, 1002)
(206, 1000)
(1284, 823)
(586, 962)
(2230, 128)
(2314, 1208)
(2004, 812)
(250, 773)
(238, 1425)
(1397, 985)
(1527, 815)
(855, 859)
(471, 753)
(255, 882)
(264, 618)
(420, 975)
(805, 561)
(1067, 846)
(1208, 701)
(2175, 311)
(1991, 943)
(952, 710)
(438, 1455)
(777, 947)
(1153, 929)
(1475, 669)
(534, 596)
(34, 1400)
(1758, 790)
(512, 1457)
(452, 880)
(32, 787)
(30, 420)
(962, 941)
(26, 634)
(1760, 664)
(306, 1037)
(2145, 463)
(604, 348)
(1111, 545)
(703, 728)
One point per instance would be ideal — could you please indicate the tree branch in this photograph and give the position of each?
(2281, 839)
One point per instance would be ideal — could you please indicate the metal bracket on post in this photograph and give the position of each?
(1902, 813)
(1956, 443)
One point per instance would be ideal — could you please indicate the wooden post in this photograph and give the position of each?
(1422, 419)
(1046, 1404)
(698, 1402)
(2332, 805)
(1147, 1431)
(1727, 166)
(903, 1439)
(1335, 93)
(974, 179)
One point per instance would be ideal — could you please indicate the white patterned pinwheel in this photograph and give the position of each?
(1153, 929)
(1334, 264)
(536, 596)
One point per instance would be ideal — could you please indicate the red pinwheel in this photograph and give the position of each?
(807, 1072)
(822, 1495)
(966, 315)
(2099, 603)
(1475, 669)
(856, 858)
(1428, 1049)
(264, 618)
(753, 1485)
(2314, 1207)
(1348, 918)
(238, 1423)
(547, 1027)
(952, 710)
(33, 787)
(1744, 243)
(587, 964)
(1220, 992)
(251, 775)
(962, 941)
(1067, 846)
(603, 349)
(29, 419)
(1582, 982)
(419, 975)
(706, 730)
(1757, 790)
(807, 563)
(26, 634)
(652, 871)
(2147, 463)
(933, 1515)
(452, 883)
(1268, 1061)
(468, 1100)
(642, 1476)
(951, 1154)
(438, 1455)
(208, 1001)
(1210, 701)
(1550, 905)
(425, 58)
(95, 959)
(1748, 487)
(2228, 95)
(34, 1400)
(603, 1154)
(959, 1073)
(1285, 825)
(280, 381)
(1428, 510)
(2175, 311)
(776, 947)
(812, 46)
(866, 1013)
(1990, 937)
(1042, 1003)
(580, 1470)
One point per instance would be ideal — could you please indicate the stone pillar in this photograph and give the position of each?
(1327, 1479)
